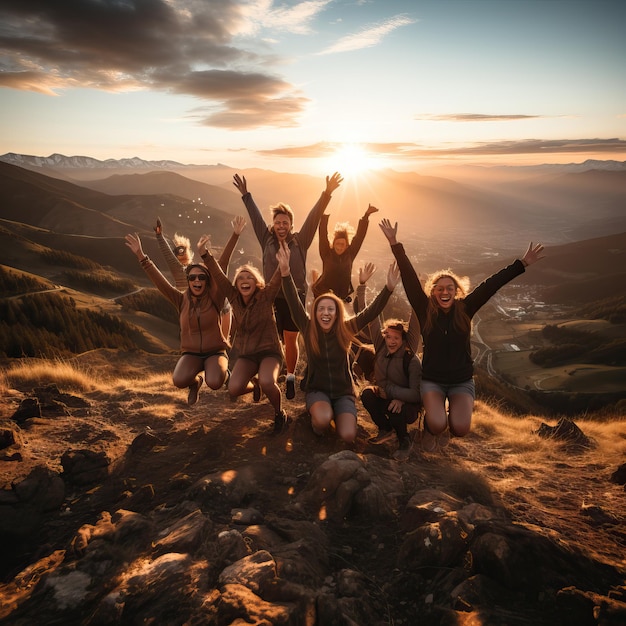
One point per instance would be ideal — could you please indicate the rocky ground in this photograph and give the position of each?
(122, 505)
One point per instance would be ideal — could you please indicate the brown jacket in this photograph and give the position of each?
(199, 318)
(254, 328)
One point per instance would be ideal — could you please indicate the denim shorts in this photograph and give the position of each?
(467, 387)
(343, 404)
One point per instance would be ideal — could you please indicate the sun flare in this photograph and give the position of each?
(351, 159)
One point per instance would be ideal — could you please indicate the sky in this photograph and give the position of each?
(315, 86)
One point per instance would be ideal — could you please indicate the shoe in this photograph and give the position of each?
(194, 388)
(281, 420)
(429, 441)
(290, 393)
(383, 436)
(256, 392)
(404, 451)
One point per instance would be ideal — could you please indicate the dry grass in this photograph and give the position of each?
(32, 373)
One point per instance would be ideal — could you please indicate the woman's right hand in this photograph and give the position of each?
(204, 245)
(366, 272)
(134, 243)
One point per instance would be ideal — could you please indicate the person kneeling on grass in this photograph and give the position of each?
(330, 392)
(202, 343)
(445, 308)
(255, 336)
(393, 402)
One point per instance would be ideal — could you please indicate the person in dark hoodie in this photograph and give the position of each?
(327, 334)
(338, 256)
(445, 307)
(204, 349)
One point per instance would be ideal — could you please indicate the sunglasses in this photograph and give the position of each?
(201, 277)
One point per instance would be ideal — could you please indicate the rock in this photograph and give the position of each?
(565, 430)
(29, 407)
(619, 475)
(85, 467)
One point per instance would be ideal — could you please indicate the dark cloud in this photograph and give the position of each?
(184, 47)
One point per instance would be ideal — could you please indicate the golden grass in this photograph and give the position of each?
(31, 373)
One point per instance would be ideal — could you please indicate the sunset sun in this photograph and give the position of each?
(352, 159)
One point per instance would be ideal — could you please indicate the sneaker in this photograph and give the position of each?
(404, 451)
(290, 393)
(256, 392)
(429, 441)
(281, 420)
(194, 388)
(383, 436)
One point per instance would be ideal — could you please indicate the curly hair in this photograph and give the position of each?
(460, 320)
(258, 278)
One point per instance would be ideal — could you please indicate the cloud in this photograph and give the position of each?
(477, 117)
(174, 46)
(296, 19)
(405, 150)
(368, 37)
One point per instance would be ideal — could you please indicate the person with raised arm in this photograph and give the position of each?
(393, 401)
(338, 256)
(445, 307)
(270, 237)
(203, 346)
(178, 259)
(255, 336)
(329, 387)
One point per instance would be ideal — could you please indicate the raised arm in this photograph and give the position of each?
(258, 223)
(307, 232)
(238, 224)
(298, 312)
(174, 265)
(323, 243)
(373, 330)
(361, 231)
(224, 286)
(374, 309)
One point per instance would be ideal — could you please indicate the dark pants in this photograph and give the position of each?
(377, 407)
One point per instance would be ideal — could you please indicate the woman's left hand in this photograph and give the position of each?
(533, 254)
(393, 276)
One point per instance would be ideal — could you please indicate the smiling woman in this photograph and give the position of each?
(353, 159)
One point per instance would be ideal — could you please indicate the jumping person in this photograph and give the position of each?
(202, 343)
(393, 401)
(255, 337)
(338, 256)
(270, 237)
(329, 388)
(445, 308)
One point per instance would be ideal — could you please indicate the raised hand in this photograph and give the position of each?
(533, 254)
(204, 244)
(241, 184)
(389, 231)
(158, 229)
(332, 182)
(282, 256)
(238, 224)
(393, 276)
(134, 243)
(370, 209)
(366, 272)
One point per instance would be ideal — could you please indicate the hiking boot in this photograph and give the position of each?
(404, 451)
(383, 436)
(256, 392)
(194, 388)
(429, 441)
(281, 421)
(290, 392)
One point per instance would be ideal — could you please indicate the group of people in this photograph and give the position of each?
(241, 333)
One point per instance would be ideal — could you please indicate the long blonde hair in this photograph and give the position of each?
(344, 332)
(460, 319)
